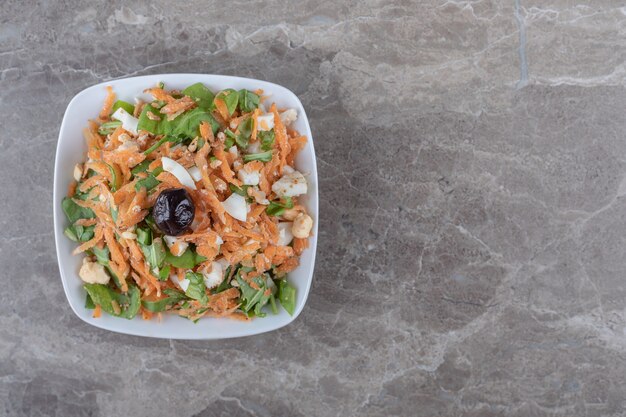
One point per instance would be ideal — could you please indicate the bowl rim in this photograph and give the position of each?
(58, 191)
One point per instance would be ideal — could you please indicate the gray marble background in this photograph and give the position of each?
(472, 160)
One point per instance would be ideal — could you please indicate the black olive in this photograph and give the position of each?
(173, 211)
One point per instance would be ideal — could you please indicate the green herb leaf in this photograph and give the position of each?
(231, 98)
(188, 123)
(142, 167)
(102, 255)
(114, 179)
(108, 127)
(273, 304)
(196, 289)
(243, 191)
(267, 139)
(69, 233)
(89, 304)
(161, 305)
(74, 212)
(263, 156)
(164, 273)
(144, 236)
(230, 139)
(187, 260)
(123, 104)
(201, 94)
(225, 284)
(154, 253)
(245, 130)
(103, 295)
(157, 127)
(253, 298)
(287, 296)
(148, 183)
(116, 280)
(277, 208)
(248, 101)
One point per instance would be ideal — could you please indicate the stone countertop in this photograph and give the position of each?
(472, 219)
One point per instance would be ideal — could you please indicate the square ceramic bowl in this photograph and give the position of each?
(71, 149)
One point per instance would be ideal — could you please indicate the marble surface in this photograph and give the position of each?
(473, 214)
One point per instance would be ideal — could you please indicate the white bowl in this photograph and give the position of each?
(71, 150)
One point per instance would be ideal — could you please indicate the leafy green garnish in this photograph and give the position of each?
(89, 304)
(276, 208)
(187, 260)
(144, 236)
(74, 212)
(142, 167)
(154, 253)
(245, 130)
(243, 191)
(114, 180)
(252, 298)
(273, 304)
(109, 127)
(103, 296)
(157, 127)
(102, 255)
(79, 233)
(248, 101)
(188, 123)
(123, 104)
(114, 213)
(161, 305)
(230, 139)
(262, 156)
(175, 139)
(225, 284)
(196, 289)
(164, 273)
(267, 139)
(201, 94)
(116, 280)
(287, 296)
(148, 183)
(230, 97)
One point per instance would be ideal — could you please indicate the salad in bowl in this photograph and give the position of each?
(188, 203)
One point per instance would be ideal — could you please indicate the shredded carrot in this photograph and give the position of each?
(108, 103)
(299, 245)
(255, 124)
(97, 312)
(281, 139)
(71, 190)
(225, 166)
(220, 105)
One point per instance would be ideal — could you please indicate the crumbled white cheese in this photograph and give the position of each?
(93, 273)
(236, 206)
(195, 173)
(254, 147)
(289, 116)
(215, 277)
(175, 245)
(178, 171)
(129, 122)
(265, 122)
(284, 233)
(290, 185)
(183, 285)
(249, 177)
(78, 172)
